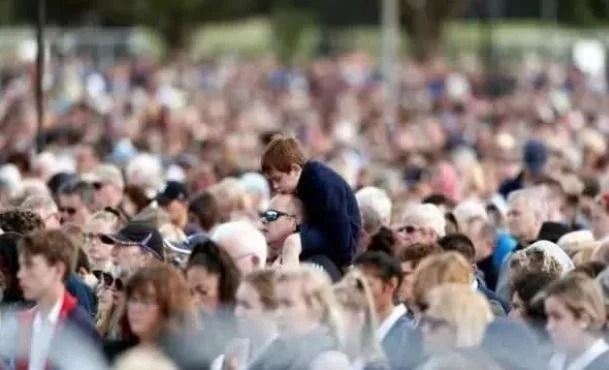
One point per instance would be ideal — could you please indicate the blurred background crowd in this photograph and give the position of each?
(137, 188)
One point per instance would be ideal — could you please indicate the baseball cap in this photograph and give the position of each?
(535, 155)
(174, 190)
(138, 234)
(187, 246)
(106, 174)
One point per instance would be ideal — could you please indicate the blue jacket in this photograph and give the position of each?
(332, 216)
(402, 345)
(87, 299)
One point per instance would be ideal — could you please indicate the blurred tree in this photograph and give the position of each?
(425, 20)
(7, 12)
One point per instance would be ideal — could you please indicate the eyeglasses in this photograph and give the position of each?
(69, 210)
(108, 280)
(273, 215)
(408, 229)
(433, 323)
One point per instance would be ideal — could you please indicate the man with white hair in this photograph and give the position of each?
(421, 223)
(244, 243)
(45, 207)
(375, 212)
(376, 199)
(526, 215)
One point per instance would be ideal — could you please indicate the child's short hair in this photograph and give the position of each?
(281, 153)
(54, 245)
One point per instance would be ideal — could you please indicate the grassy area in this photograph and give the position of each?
(254, 37)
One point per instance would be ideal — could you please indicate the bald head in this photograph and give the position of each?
(244, 243)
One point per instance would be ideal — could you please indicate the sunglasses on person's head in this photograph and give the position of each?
(272, 215)
(68, 210)
(108, 280)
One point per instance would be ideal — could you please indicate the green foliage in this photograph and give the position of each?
(293, 34)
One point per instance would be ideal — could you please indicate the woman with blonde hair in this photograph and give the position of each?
(443, 268)
(576, 320)
(362, 345)
(456, 318)
(308, 321)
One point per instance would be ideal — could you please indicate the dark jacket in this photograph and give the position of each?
(295, 353)
(402, 345)
(552, 231)
(511, 185)
(500, 307)
(600, 363)
(83, 293)
(332, 215)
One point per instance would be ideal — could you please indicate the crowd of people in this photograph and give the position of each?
(233, 215)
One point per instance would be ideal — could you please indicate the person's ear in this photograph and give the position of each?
(256, 261)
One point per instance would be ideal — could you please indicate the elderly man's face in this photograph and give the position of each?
(523, 222)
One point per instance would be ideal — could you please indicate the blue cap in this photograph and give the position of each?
(535, 156)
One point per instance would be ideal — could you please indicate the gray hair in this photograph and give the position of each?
(534, 197)
(34, 202)
(377, 199)
(245, 235)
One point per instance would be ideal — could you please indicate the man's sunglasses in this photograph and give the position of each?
(93, 236)
(108, 280)
(408, 229)
(273, 215)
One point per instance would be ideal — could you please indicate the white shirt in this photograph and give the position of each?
(387, 324)
(43, 330)
(559, 361)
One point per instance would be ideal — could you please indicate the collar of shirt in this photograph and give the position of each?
(51, 318)
(475, 285)
(387, 324)
(582, 361)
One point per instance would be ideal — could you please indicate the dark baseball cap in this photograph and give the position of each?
(138, 234)
(535, 156)
(173, 191)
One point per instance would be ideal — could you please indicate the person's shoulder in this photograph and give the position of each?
(601, 362)
(80, 321)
